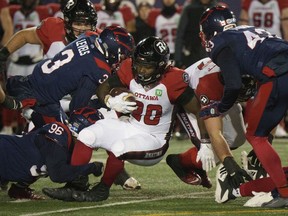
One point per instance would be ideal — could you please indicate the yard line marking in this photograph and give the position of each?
(194, 195)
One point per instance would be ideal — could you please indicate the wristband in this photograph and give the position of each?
(4, 54)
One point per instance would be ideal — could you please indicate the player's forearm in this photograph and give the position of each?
(7, 25)
(219, 144)
(21, 38)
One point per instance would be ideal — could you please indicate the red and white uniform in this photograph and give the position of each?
(265, 15)
(143, 138)
(29, 51)
(51, 32)
(204, 75)
(118, 18)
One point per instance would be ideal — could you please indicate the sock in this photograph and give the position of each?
(188, 159)
(114, 166)
(269, 159)
(81, 154)
(259, 185)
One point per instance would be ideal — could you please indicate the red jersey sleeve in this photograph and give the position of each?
(246, 4)
(205, 93)
(50, 30)
(125, 73)
(283, 4)
(176, 82)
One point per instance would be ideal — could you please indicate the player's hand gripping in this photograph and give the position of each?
(237, 175)
(119, 104)
(206, 155)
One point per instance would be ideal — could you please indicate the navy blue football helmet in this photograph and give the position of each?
(117, 44)
(82, 118)
(79, 11)
(152, 53)
(215, 20)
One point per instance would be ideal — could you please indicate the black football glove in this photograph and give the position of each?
(237, 175)
(4, 54)
(98, 170)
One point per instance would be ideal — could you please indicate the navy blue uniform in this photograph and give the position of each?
(77, 70)
(249, 50)
(41, 152)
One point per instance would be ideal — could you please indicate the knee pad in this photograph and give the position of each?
(118, 148)
(87, 137)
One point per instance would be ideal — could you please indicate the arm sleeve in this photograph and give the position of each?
(57, 162)
(231, 73)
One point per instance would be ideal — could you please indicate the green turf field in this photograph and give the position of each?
(162, 194)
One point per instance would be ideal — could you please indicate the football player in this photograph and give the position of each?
(53, 34)
(54, 78)
(190, 164)
(47, 152)
(143, 139)
(248, 50)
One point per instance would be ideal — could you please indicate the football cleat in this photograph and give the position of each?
(186, 175)
(205, 180)
(63, 193)
(98, 193)
(278, 202)
(17, 192)
(80, 183)
(4, 186)
(258, 199)
(127, 182)
(224, 191)
(252, 165)
(131, 184)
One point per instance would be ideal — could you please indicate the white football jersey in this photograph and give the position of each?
(166, 29)
(266, 16)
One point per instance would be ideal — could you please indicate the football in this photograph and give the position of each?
(118, 90)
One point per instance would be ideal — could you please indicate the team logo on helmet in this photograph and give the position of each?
(70, 4)
(160, 46)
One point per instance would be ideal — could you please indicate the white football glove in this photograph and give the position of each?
(207, 157)
(119, 104)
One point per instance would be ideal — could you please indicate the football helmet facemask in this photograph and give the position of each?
(78, 11)
(150, 60)
(215, 20)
